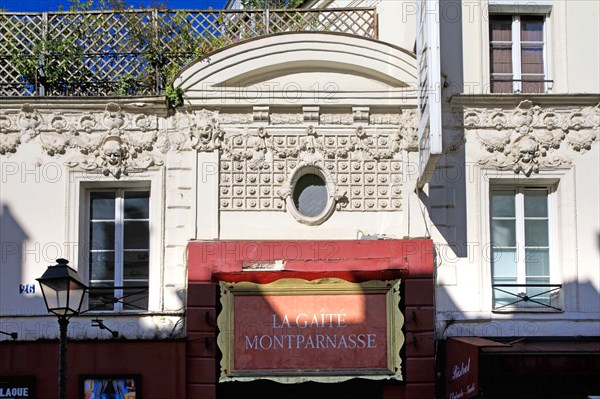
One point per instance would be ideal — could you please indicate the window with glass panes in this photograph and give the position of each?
(119, 249)
(520, 246)
(517, 54)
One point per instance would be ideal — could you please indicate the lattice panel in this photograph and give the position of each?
(106, 48)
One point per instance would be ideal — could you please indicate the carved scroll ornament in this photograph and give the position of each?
(530, 137)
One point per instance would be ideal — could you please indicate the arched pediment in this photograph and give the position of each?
(303, 68)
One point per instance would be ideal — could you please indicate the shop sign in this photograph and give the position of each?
(17, 387)
(296, 330)
(462, 369)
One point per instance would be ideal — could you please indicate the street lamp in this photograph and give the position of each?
(63, 294)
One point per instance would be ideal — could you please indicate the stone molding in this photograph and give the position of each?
(258, 150)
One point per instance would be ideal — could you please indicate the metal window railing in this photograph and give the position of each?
(543, 295)
(106, 297)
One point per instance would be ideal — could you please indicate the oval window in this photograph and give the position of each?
(310, 195)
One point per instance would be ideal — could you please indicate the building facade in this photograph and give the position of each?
(282, 232)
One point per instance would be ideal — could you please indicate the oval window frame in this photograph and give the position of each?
(330, 188)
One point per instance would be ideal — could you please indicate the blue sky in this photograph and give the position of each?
(52, 5)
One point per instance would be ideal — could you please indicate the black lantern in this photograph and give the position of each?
(63, 293)
(63, 289)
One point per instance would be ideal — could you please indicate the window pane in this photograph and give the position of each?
(102, 265)
(310, 195)
(102, 235)
(537, 262)
(501, 59)
(101, 296)
(536, 233)
(504, 263)
(135, 298)
(532, 29)
(501, 87)
(532, 60)
(536, 203)
(102, 205)
(137, 205)
(503, 203)
(538, 294)
(504, 295)
(532, 84)
(500, 28)
(136, 235)
(503, 233)
(135, 265)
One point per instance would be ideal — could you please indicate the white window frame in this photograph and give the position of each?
(79, 185)
(119, 238)
(562, 229)
(516, 46)
(520, 228)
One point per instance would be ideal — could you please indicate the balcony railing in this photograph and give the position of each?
(137, 52)
(526, 296)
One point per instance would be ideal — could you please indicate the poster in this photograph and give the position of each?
(110, 387)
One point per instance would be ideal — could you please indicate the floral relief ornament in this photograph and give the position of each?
(9, 140)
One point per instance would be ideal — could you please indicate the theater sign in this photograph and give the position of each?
(323, 330)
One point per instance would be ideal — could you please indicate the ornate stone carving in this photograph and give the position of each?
(236, 119)
(113, 119)
(286, 119)
(530, 137)
(337, 119)
(205, 131)
(365, 163)
(409, 130)
(360, 114)
(29, 121)
(104, 140)
(311, 114)
(385, 119)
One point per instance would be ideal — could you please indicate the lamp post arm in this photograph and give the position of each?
(63, 323)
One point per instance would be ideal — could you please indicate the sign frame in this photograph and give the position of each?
(291, 287)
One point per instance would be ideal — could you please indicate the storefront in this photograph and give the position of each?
(146, 369)
(295, 318)
(565, 368)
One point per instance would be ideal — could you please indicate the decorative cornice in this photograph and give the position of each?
(529, 137)
(113, 141)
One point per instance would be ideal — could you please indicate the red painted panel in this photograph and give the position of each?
(420, 344)
(160, 364)
(201, 345)
(419, 318)
(202, 294)
(418, 292)
(201, 319)
(199, 391)
(420, 391)
(201, 371)
(206, 258)
(308, 332)
(420, 370)
(462, 370)
(394, 392)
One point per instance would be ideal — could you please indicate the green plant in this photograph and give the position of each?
(275, 4)
(56, 63)
(174, 95)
